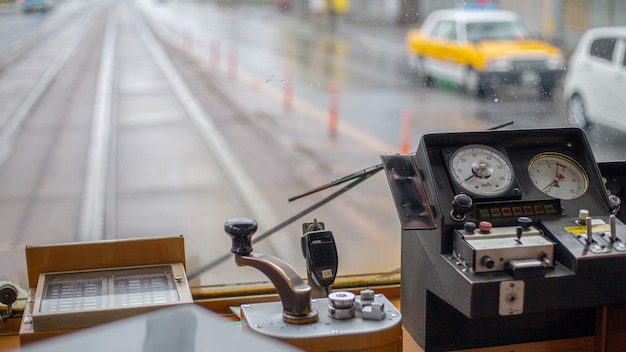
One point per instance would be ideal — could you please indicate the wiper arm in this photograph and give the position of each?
(357, 178)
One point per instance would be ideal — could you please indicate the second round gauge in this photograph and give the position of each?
(481, 170)
(558, 176)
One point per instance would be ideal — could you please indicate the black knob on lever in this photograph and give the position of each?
(524, 222)
(294, 294)
(240, 231)
(461, 204)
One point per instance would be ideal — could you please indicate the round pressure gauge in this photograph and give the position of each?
(558, 176)
(481, 170)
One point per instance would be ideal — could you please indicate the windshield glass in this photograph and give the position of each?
(153, 118)
(477, 32)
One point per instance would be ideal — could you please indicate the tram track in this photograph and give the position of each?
(97, 182)
(23, 202)
(130, 139)
(214, 140)
(286, 166)
(16, 119)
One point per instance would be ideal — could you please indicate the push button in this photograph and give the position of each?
(485, 226)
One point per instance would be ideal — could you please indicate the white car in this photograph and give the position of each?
(595, 84)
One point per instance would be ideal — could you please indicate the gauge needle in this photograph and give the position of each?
(470, 177)
(555, 182)
(480, 173)
(556, 177)
(549, 185)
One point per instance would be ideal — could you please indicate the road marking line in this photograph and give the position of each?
(93, 214)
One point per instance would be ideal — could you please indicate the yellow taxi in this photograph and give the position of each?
(482, 49)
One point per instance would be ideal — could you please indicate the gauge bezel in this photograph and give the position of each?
(576, 166)
(510, 190)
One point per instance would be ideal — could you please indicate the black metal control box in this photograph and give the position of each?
(503, 283)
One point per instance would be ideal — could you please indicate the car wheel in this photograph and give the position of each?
(473, 85)
(576, 112)
(412, 61)
(416, 63)
(546, 91)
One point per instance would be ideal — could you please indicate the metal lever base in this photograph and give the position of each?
(327, 334)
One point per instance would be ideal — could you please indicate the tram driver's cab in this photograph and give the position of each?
(510, 239)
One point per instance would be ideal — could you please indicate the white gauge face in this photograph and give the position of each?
(481, 170)
(558, 176)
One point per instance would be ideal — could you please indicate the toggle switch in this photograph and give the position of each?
(518, 234)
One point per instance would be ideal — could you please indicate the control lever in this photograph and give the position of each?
(518, 234)
(618, 244)
(523, 224)
(352, 323)
(294, 294)
(587, 238)
(613, 228)
(589, 230)
(320, 252)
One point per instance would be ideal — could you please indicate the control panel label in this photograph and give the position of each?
(581, 229)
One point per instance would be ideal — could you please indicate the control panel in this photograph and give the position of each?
(497, 249)
(500, 228)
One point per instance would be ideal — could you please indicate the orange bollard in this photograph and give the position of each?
(405, 132)
(288, 89)
(333, 109)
